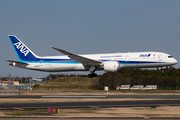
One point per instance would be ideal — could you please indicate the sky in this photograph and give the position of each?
(87, 27)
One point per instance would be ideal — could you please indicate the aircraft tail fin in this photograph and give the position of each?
(22, 51)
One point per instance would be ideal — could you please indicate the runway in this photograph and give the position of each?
(99, 104)
(111, 118)
(91, 96)
(62, 105)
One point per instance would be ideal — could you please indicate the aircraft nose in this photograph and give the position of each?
(175, 61)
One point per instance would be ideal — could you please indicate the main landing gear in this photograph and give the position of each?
(92, 75)
(92, 70)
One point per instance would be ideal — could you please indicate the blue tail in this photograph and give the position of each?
(22, 51)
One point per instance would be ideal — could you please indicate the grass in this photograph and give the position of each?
(67, 83)
(29, 112)
(165, 111)
(85, 84)
(153, 106)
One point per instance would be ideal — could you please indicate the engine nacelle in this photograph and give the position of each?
(111, 66)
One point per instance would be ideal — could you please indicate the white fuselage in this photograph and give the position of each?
(125, 60)
(112, 62)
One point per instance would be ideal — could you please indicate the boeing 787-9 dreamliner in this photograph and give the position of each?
(109, 62)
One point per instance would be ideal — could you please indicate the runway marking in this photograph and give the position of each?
(59, 96)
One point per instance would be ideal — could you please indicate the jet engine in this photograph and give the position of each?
(111, 66)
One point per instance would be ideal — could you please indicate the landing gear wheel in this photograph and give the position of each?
(92, 75)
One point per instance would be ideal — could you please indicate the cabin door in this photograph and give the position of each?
(126, 58)
(160, 57)
(41, 63)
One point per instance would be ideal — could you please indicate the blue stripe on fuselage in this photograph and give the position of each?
(68, 61)
(71, 61)
(137, 62)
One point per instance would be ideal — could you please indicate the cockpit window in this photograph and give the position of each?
(170, 56)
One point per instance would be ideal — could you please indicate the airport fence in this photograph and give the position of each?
(16, 87)
(21, 86)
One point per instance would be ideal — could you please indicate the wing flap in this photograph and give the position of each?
(78, 58)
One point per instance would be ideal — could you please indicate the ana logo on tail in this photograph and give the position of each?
(22, 48)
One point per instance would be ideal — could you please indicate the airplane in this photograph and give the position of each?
(109, 62)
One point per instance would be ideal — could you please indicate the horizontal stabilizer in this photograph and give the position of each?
(16, 62)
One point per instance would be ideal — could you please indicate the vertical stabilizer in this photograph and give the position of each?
(22, 51)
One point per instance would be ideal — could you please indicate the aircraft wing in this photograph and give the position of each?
(78, 58)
